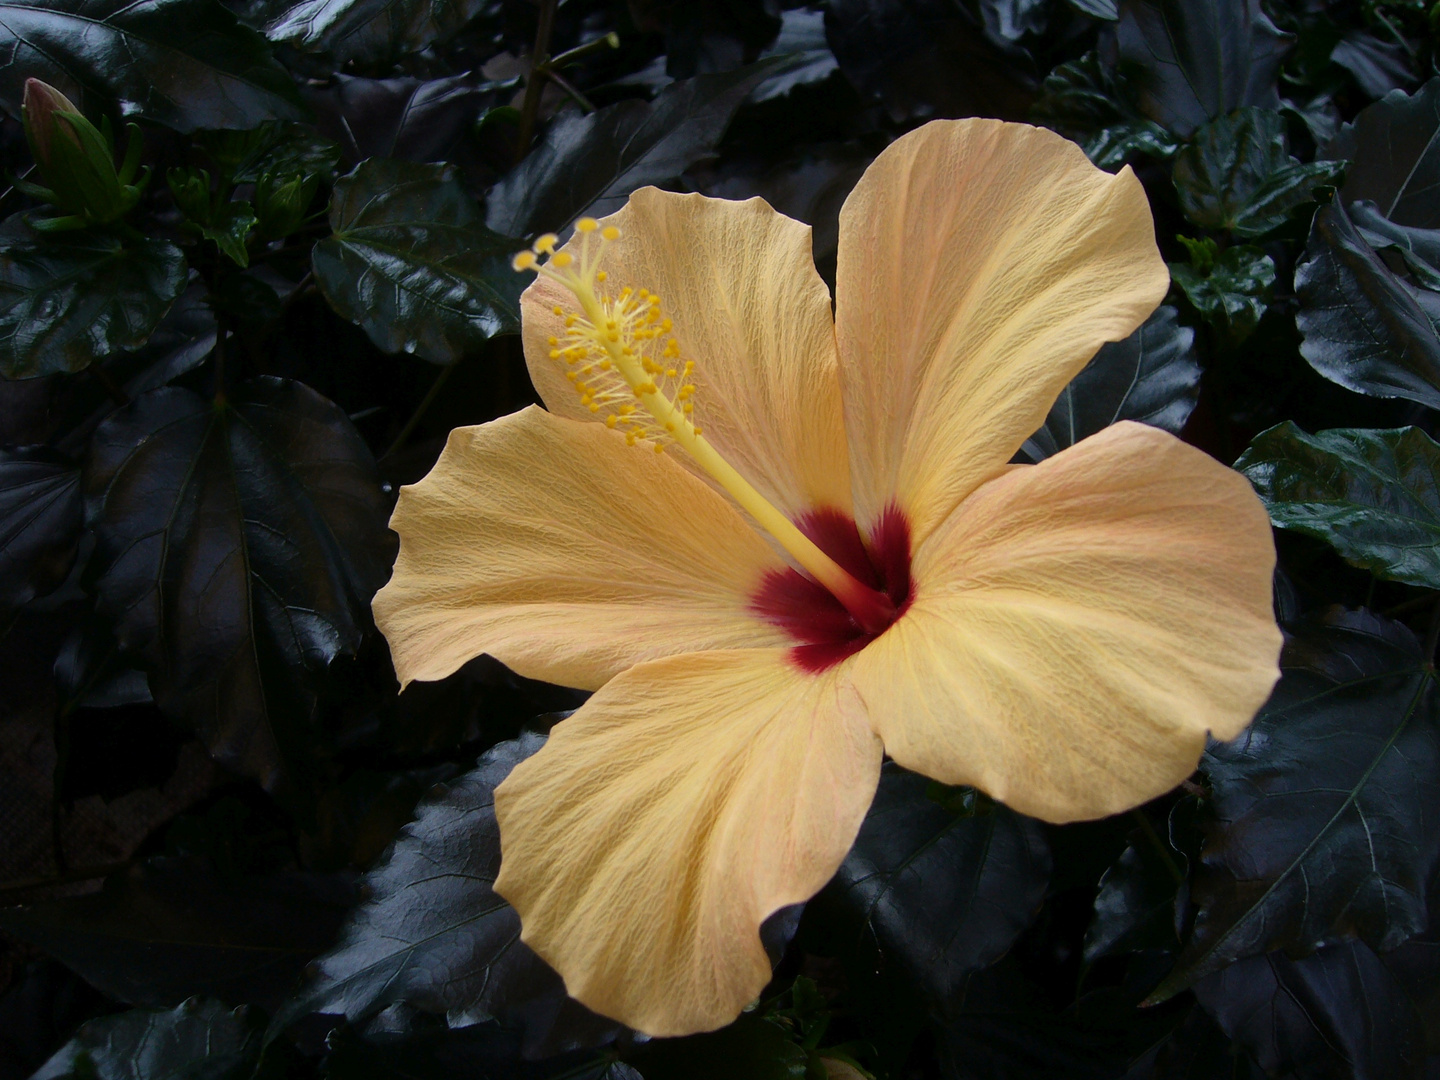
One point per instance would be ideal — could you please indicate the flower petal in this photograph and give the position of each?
(567, 556)
(685, 802)
(981, 265)
(749, 308)
(1079, 625)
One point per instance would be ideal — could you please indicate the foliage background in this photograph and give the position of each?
(229, 848)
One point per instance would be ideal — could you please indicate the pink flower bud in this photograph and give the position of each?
(42, 102)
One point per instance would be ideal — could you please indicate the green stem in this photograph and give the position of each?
(564, 84)
(610, 40)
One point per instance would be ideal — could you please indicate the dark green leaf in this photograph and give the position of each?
(1394, 156)
(1373, 495)
(1336, 1014)
(276, 147)
(1087, 101)
(169, 929)
(1365, 327)
(238, 544)
(229, 227)
(411, 262)
(942, 893)
(433, 934)
(592, 162)
(1233, 292)
(371, 30)
(1321, 812)
(199, 1040)
(1238, 174)
(752, 1047)
(184, 63)
(1196, 60)
(68, 299)
(1419, 249)
(1152, 376)
(41, 515)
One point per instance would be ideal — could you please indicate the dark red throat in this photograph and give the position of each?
(824, 632)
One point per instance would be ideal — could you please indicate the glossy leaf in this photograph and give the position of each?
(941, 890)
(1337, 1013)
(182, 63)
(1372, 494)
(1377, 66)
(68, 299)
(1136, 905)
(1232, 292)
(1364, 326)
(1152, 376)
(1087, 100)
(434, 935)
(41, 515)
(802, 36)
(1394, 156)
(229, 228)
(277, 147)
(411, 263)
(238, 545)
(592, 162)
(199, 1040)
(1196, 60)
(1322, 813)
(1238, 175)
(170, 929)
(371, 30)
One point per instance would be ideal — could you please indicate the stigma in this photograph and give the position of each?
(620, 354)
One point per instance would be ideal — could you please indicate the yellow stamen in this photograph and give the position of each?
(613, 335)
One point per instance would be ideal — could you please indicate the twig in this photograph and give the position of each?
(533, 81)
(569, 88)
(420, 409)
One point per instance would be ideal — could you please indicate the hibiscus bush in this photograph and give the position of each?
(255, 267)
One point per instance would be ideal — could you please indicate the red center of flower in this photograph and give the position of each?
(825, 632)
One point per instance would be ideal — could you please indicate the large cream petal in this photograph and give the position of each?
(662, 823)
(981, 265)
(567, 555)
(749, 308)
(1079, 625)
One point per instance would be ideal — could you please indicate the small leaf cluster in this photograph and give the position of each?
(230, 847)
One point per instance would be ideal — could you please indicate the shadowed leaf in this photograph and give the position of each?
(371, 30)
(238, 543)
(433, 933)
(199, 1040)
(1322, 819)
(41, 515)
(1152, 376)
(592, 162)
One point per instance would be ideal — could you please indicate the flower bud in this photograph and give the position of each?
(76, 161)
(281, 202)
(41, 104)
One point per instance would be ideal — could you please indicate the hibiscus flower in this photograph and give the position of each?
(830, 558)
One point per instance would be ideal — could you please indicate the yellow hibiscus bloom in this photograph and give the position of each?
(835, 559)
